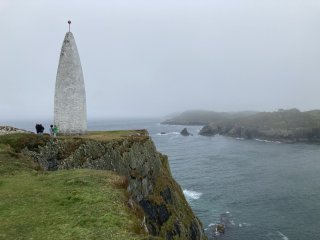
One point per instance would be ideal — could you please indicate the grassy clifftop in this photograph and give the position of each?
(102, 185)
(67, 204)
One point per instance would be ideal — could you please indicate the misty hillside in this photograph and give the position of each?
(291, 125)
(202, 117)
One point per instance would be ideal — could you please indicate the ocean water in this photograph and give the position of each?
(260, 190)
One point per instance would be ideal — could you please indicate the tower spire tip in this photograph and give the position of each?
(69, 22)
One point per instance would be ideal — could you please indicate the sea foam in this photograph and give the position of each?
(283, 237)
(169, 133)
(267, 141)
(191, 195)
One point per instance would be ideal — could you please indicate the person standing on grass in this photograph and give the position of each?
(51, 130)
(41, 129)
(38, 128)
(55, 131)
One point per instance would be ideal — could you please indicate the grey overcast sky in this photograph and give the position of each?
(154, 57)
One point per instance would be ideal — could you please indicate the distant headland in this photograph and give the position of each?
(282, 125)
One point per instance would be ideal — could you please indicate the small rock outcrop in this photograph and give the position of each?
(10, 130)
(220, 228)
(184, 132)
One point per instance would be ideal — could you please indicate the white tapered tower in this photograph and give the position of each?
(70, 113)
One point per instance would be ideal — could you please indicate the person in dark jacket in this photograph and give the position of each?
(39, 128)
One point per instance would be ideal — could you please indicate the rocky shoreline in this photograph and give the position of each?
(283, 136)
(288, 126)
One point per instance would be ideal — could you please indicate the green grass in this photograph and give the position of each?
(68, 204)
(102, 136)
(114, 135)
(19, 141)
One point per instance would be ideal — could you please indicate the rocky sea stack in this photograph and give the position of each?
(184, 132)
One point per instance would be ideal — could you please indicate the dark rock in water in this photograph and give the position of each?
(185, 132)
(217, 230)
(220, 228)
(226, 221)
(162, 133)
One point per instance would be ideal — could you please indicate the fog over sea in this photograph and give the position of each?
(261, 190)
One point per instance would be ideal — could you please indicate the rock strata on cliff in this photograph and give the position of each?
(153, 192)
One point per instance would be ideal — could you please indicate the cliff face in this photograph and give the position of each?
(152, 190)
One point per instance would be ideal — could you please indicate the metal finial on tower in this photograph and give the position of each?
(69, 22)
